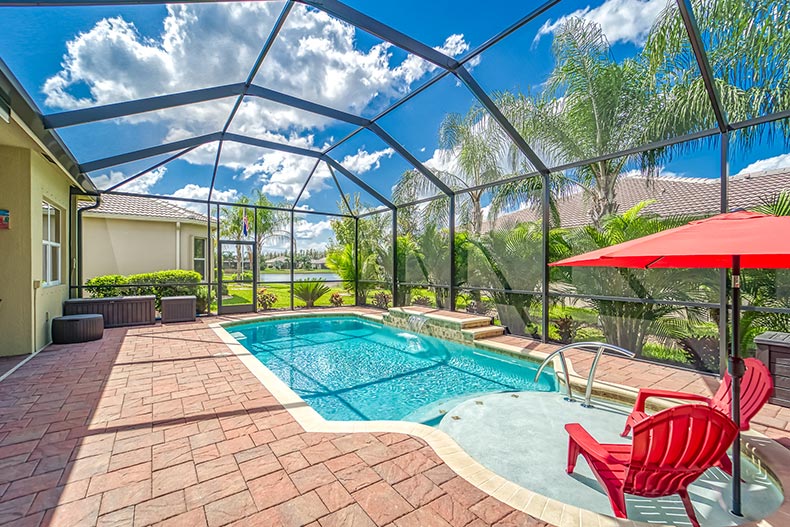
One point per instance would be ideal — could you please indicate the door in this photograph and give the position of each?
(237, 263)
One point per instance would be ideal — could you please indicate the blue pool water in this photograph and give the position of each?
(352, 369)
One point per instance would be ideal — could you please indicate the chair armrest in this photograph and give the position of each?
(587, 443)
(646, 393)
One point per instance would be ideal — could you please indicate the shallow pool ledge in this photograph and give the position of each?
(763, 451)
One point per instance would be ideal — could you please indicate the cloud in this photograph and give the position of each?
(304, 230)
(364, 161)
(316, 57)
(627, 21)
(141, 185)
(771, 163)
(193, 191)
(442, 160)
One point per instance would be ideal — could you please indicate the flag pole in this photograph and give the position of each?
(736, 372)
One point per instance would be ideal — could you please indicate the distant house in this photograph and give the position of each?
(279, 262)
(130, 235)
(318, 263)
(672, 196)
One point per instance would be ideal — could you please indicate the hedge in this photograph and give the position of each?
(160, 284)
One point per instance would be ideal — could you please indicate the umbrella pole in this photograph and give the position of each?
(736, 371)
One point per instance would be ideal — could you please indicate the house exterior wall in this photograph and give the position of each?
(129, 246)
(27, 178)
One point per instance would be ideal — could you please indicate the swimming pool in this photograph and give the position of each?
(351, 369)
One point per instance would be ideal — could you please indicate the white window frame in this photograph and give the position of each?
(203, 259)
(47, 238)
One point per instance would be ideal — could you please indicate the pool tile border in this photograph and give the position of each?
(765, 452)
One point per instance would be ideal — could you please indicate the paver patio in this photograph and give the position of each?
(158, 425)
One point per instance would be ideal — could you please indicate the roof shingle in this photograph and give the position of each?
(123, 205)
(673, 196)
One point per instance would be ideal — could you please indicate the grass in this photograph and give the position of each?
(242, 294)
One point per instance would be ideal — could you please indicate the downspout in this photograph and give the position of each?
(80, 240)
(178, 245)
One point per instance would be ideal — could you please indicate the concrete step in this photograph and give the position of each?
(484, 332)
(453, 318)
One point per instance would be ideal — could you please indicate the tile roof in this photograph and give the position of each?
(673, 196)
(114, 204)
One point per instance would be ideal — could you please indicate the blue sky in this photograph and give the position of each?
(73, 57)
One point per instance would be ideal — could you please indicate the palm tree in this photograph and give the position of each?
(512, 260)
(341, 261)
(747, 43)
(474, 148)
(231, 228)
(591, 106)
(271, 225)
(626, 323)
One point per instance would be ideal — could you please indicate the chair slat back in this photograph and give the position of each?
(674, 447)
(756, 388)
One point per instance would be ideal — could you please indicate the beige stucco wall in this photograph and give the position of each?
(26, 178)
(16, 271)
(122, 245)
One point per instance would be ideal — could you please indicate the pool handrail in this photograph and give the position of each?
(601, 347)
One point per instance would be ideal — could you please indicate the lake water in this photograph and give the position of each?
(286, 277)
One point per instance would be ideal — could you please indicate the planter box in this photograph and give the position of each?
(117, 311)
(178, 309)
(773, 348)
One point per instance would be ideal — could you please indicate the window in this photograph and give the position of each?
(50, 235)
(199, 256)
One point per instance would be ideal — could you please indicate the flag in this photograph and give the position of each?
(245, 225)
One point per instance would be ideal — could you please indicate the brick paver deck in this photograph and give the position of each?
(158, 426)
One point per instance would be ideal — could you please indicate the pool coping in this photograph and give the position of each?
(763, 451)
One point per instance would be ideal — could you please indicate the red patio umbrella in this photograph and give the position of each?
(734, 240)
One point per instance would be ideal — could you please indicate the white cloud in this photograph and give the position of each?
(305, 230)
(364, 161)
(771, 163)
(620, 20)
(193, 191)
(442, 160)
(141, 185)
(316, 57)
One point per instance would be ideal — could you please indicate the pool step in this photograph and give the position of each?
(484, 332)
(450, 318)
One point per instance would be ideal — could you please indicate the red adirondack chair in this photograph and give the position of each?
(756, 388)
(669, 451)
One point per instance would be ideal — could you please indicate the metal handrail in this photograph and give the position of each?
(559, 352)
(600, 347)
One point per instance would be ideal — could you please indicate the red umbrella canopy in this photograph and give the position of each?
(762, 241)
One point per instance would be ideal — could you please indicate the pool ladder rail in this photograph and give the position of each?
(601, 347)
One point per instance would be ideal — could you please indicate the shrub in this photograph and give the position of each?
(310, 291)
(382, 299)
(266, 300)
(160, 283)
(566, 328)
(204, 300)
(245, 276)
(106, 286)
(421, 301)
(336, 299)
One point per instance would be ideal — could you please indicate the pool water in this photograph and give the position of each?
(351, 369)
